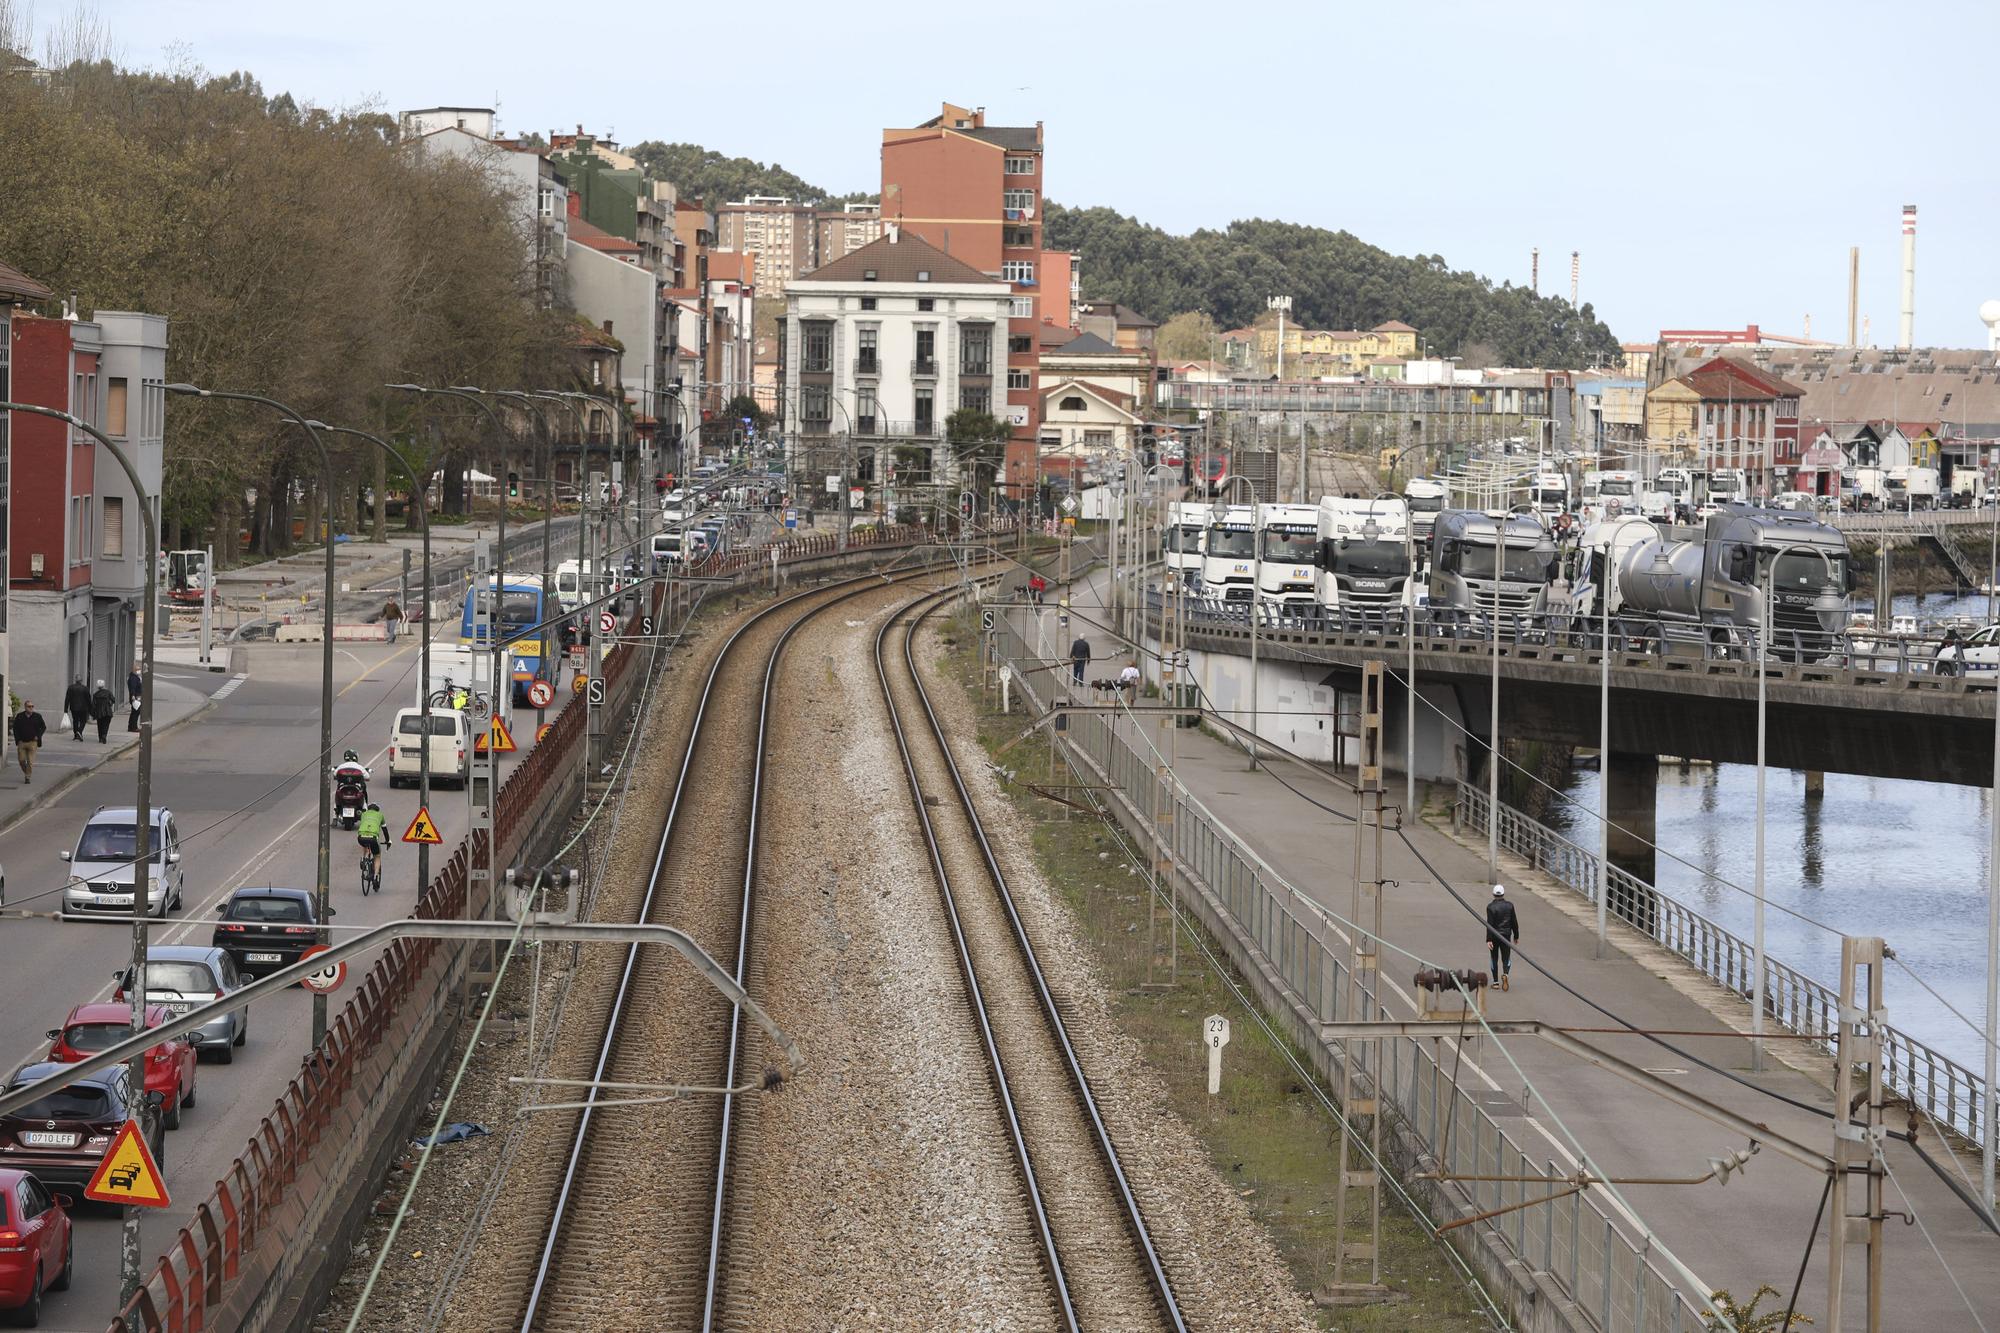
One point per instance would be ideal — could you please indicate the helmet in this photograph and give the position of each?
(373, 806)
(1499, 890)
(350, 757)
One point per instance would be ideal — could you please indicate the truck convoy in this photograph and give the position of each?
(1364, 554)
(1182, 542)
(1229, 555)
(1287, 574)
(1482, 562)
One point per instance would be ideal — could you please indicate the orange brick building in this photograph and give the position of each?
(974, 191)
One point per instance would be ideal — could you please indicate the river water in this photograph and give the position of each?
(1903, 860)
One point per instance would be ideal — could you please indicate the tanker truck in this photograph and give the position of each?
(1463, 565)
(1595, 559)
(1707, 594)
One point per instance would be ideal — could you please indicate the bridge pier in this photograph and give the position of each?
(1815, 784)
(1632, 781)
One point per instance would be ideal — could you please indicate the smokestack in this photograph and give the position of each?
(1853, 291)
(1573, 266)
(1535, 270)
(1808, 330)
(1908, 331)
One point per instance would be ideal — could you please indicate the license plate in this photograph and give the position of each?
(41, 1138)
(111, 899)
(176, 1006)
(261, 957)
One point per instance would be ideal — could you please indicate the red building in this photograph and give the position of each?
(51, 504)
(1747, 416)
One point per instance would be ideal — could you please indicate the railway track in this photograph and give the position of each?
(1102, 1267)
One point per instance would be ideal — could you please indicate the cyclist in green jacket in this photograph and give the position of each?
(368, 831)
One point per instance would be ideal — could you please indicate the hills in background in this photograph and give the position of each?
(1335, 279)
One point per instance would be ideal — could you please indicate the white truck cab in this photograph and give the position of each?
(1288, 535)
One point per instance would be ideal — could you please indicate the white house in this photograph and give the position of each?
(1083, 427)
(881, 347)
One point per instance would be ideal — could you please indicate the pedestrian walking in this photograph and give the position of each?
(76, 707)
(28, 729)
(1503, 932)
(135, 692)
(1037, 585)
(392, 618)
(1128, 681)
(103, 703)
(1079, 657)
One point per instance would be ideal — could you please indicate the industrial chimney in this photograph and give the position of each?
(1853, 292)
(1535, 270)
(1573, 264)
(1908, 333)
(1989, 315)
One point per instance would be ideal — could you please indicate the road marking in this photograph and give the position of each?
(365, 678)
(229, 687)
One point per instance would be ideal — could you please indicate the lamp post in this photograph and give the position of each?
(129, 1240)
(322, 889)
(418, 484)
(1603, 595)
(1218, 511)
(1826, 596)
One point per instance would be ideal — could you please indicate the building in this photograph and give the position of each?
(615, 292)
(1332, 353)
(1727, 414)
(1093, 394)
(778, 232)
(133, 362)
(17, 289)
(540, 195)
(731, 292)
(838, 232)
(974, 191)
(1610, 413)
(1119, 325)
(879, 348)
(611, 191)
(1240, 347)
(1748, 336)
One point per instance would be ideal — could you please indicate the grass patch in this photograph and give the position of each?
(1266, 1133)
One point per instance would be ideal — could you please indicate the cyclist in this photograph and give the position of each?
(369, 834)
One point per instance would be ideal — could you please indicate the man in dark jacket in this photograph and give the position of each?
(103, 703)
(135, 690)
(76, 703)
(1079, 657)
(28, 729)
(1503, 931)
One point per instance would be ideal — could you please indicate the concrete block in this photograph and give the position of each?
(301, 633)
(359, 634)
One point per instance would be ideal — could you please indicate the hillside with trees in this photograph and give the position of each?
(704, 174)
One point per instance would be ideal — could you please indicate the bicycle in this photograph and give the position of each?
(371, 872)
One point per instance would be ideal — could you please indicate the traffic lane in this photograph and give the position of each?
(274, 843)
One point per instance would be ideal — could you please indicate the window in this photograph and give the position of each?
(818, 348)
(976, 400)
(866, 360)
(1018, 236)
(1018, 379)
(114, 407)
(864, 411)
(975, 350)
(1020, 345)
(926, 303)
(1020, 166)
(867, 303)
(1022, 307)
(815, 405)
(1073, 403)
(926, 352)
(1018, 270)
(114, 527)
(1018, 201)
(926, 410)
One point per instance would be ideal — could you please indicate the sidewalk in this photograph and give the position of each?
(1758, 1231)
(62, 762)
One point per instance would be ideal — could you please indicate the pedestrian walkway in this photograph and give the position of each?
(1298, 819)
(179, 693)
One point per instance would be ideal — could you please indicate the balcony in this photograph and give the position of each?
(983, 366)
(924, 368)
(867, 365)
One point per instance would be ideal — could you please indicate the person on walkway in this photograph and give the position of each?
(1037, 585)
(135, 693)
(103, 703)
(1079, 657)
(1503, 932)
(392, 618)
(1128, 682)
(28, 729)
(76, 707)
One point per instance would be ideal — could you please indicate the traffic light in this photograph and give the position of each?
(513, 485)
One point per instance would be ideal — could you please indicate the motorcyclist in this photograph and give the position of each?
(351, 769)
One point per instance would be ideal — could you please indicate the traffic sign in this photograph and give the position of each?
(127, 1173)
(501, 740)
(541, 694)
(597, 692)
(423, 828)
(578, 682)
(542, 732)
(325, 979)
(1069, 504)
(986, 617)
(607, 622)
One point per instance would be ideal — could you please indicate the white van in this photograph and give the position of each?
(450, 743)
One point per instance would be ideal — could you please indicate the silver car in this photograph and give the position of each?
(102, 865)
(183, 976)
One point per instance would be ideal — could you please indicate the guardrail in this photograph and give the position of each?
(300, 1162)
(1934, 1083)
(1295, 955)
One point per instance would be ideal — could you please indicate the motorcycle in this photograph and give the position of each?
(350, 796)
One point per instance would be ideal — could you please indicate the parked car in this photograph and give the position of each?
(450, 742)
(62, 1136)
(181, 976)
(36, 1246)
(102, 866)
(91, 1028)
(263, 930)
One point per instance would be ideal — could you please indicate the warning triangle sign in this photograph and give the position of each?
(423, 828)
(128, 1173)
(501, 740)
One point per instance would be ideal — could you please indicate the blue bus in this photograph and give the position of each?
(523, 605)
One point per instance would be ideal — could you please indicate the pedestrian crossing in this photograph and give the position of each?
(229, 687)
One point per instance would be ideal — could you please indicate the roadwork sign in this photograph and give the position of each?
(541, 694)
(327, 978)
(497, 739)
(128, 1173)
(423, 828)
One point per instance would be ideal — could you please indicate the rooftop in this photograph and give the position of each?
(16, 286)
(898, 257)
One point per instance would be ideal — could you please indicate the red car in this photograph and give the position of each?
(35, 1245)
(91, 1028)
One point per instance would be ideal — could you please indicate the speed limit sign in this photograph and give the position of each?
(325, 979)
(607, 622)
(541, 694)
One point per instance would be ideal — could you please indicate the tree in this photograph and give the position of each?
(978, 441)
(1188, 336)
(743, 405)
(703, 173)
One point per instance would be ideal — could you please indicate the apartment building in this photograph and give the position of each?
(974, 191)
(611, 191)
(778, 232)
(540, 194)
(53, 505)
(17, 289)
(838, 232)
(880, 347)
(133, 363)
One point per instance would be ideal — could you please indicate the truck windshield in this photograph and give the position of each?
(1377, 560)
(1610, 487)
(1296, 547)
(1185, 539)
(1425, 504)
(1806, 573)
(1232, 542)
(1551, 497)
(1521, 564)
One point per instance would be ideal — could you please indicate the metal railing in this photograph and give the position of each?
(1931, 1081)
(1272, 930)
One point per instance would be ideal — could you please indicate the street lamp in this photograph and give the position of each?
(322, 890)
(129, 1240)
(418, 484)
(1219, 510)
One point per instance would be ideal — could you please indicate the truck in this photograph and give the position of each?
(1968, 487)
(1550, 494)
(1670, 490)
(1609, 493)
(1287, 572)
(1869, 487)
(1229, 554)
(1365, 554)
(1595, 559)
(1470, 548)
(1708, 593)
(1726, 485)
(1911, 488)
(1426, 497)
(1181, 545)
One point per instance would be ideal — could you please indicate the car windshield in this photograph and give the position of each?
(413, 725)
(267, 909)
(112, 842)
(1232, 542)
(1293, 546)
(79, 1101)
(1378, 560)
(95, 1036)
(184, 978)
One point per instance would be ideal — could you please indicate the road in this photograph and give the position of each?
(242, 785)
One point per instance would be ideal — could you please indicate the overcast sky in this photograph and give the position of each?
(1713, 162)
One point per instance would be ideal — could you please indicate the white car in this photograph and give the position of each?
(102, 865)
